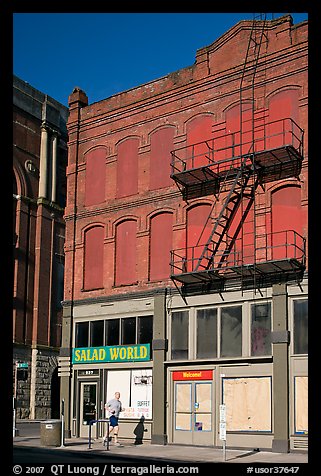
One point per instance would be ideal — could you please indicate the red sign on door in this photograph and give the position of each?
(193, 375)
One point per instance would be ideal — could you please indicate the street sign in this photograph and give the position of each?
(22, 365)
(223, 431)
(223, 422)
(222, 413)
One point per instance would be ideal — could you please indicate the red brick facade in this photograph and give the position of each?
(129, 212)
(125, 133)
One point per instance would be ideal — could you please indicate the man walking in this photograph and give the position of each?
(114, 407)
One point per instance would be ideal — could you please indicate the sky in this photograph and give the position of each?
(107, 53)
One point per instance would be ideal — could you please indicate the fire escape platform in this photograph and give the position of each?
(273, 164)
(287, 267)
(278, 163)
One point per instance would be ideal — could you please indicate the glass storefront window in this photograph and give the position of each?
(231, 331)
(179, 340)
(206, 333)
(96, 333)
(112, 331)
(261, 329)
(145, 330)
(128, 335)
(300, 324)
(82, 334)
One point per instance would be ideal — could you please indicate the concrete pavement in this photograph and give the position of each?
(169, 453)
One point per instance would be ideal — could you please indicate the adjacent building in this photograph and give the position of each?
(186, 283)
(39, 195)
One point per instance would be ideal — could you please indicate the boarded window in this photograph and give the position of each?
(261, 329)
(161, 237)
(94, 258)
(287, 218)
(300, 323)
(231, 331)
(198, 131)
(243, 250)
(240, 137)
(161, 145)
(206, 333)
(126, 253)
(301, 404)
(198, 231)
(95, 176)
(248, 403)
(183, 407)
(179, 337)
(283, 106)
(127, 167)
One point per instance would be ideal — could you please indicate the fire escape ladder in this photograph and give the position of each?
(222, 188)
(231, 243)
(228, 210)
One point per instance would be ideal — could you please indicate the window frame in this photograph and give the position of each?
(251, 306)
(293, 300)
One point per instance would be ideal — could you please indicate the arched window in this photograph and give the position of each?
(161, 145)
(287, 220)
(127, 167)
(237, 134)
(14, 208)
(126, 253)
(242, 230)
(161, 237)
(94, 258)
(283, 106)
(197, 233)
(198, 130)
(95, 176)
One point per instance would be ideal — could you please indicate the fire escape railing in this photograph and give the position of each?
(284, 249)
(269, 136)
(277, 144)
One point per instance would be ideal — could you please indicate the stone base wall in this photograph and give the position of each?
(34, 393)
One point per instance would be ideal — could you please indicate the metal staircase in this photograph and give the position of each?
(248, 163)
(227, 213)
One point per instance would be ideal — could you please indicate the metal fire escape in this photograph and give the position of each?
(273, 152)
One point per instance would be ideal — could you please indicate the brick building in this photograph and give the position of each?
(39, 195)
(186, 263)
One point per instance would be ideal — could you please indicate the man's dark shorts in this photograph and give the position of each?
(113, 421)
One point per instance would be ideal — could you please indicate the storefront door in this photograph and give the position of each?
(193, 417)
(88, 407)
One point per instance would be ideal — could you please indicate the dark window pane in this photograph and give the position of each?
(301, 326)
(231, 331)
(128, 331)
(145, 330)
(97, 333)
(112, 331)
(82, 334)
(179, 340)
(261, 329)
(206, 333)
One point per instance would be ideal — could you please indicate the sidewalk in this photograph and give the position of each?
(170, 452)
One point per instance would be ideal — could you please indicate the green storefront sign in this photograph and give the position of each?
(117, 353)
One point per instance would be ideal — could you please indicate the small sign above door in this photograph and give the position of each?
(193, 375)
